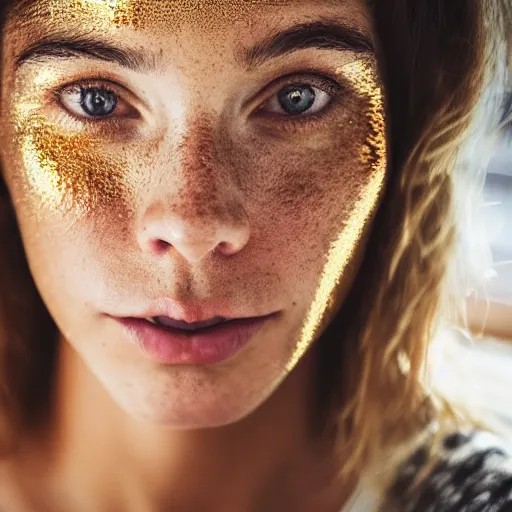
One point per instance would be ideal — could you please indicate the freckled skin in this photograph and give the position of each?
(90, 209)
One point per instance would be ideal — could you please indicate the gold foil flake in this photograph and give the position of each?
(141, 14)
(102, 11)
(364, 81)
(27, 95)
(171, 13)
(342, 250)
(43, 77)
(68, 172)
(63, 170)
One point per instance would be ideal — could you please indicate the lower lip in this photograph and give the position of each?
(207, 346)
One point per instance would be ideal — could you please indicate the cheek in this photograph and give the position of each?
(325, 174)
(61, 173)
(315, 194)
(319, 205)
(317, 215)
(335, 189)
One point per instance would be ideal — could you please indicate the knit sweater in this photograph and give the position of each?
(472, 473)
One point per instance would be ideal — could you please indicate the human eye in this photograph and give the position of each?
(94, 102)
(300, 97)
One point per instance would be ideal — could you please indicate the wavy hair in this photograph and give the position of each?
(442, 66)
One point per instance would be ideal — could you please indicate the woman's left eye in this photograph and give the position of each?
(93, 102)
(299, 99)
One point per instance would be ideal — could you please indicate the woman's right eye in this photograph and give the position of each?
(93, 102)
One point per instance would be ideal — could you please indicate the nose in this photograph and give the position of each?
(166, 227)
(198, 210)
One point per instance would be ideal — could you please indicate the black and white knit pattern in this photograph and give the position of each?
(473, 474)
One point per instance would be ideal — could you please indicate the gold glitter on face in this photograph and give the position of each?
(373, 155)
(199, 159)
(67, 171)
(362, 77)
(164, 14)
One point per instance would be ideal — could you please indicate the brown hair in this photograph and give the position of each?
(437, 59)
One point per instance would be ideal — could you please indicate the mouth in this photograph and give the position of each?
(172, 323)
(171, 341)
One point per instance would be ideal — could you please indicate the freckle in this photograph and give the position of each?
(202, 172)
(157, 14)
(372, 158)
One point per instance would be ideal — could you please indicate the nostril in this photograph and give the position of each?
(160, 246)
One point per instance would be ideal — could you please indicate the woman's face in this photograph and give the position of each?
(189, 160)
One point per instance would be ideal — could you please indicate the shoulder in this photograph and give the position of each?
(12, 497)
(471, 472)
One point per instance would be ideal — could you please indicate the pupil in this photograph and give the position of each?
(98, 102)
(296, 99)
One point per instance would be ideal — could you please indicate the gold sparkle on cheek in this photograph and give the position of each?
(362, 76)
(68, 172)
(373, 157)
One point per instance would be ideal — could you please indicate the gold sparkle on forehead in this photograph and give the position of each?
(141, 14)
(373, 156)
(67, 172)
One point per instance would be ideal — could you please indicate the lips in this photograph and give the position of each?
(210, 344)
(186, 316)
(196, 332)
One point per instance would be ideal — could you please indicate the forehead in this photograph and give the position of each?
(172, 14)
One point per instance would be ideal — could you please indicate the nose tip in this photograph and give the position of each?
(195, 239)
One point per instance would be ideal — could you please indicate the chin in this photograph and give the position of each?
(186, 410)
(188, 419)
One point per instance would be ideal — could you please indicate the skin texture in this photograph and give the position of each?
(190, 192)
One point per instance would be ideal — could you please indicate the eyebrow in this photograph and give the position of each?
(323, 35)
(69, 47)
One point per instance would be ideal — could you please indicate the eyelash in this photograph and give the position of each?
(80, 87)
(285, 121)
(322, 82)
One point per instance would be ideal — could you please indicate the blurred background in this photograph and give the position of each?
(489, 353)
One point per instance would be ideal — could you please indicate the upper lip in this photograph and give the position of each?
(191, 315)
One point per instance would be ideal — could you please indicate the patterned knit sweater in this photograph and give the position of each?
(472, 473)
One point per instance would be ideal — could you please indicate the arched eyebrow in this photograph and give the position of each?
(321, 35)
(324, 35)
(69, 46)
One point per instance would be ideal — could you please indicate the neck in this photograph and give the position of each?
(274, 459)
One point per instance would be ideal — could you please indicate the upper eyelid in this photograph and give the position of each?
(315, 77)
(306, 75)
(311, 79)
(94, 82)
